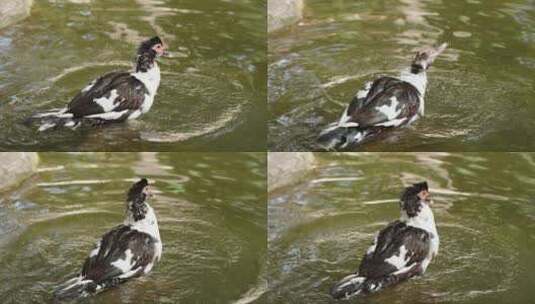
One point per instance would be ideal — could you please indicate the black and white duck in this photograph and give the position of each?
(400, 251)
(127, 251)
(114, 97)
(386, 103)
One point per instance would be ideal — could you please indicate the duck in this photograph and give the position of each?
(400, 251)
(386, 103)
(127, 251)
(114, 97)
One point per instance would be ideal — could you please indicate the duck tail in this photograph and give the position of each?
(393, 279)
(75, 288)
(336, 137)
(53, 119)
(349, 286)
(354, 285)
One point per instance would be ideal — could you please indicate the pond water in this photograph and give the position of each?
(484, 206)
(211, 211)
(213, 89)
(481, 94)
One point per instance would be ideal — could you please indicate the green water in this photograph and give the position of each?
(213, 90)
(211, 211)
(484, 206)
(481, 94)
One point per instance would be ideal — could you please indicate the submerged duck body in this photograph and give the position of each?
(385, 103)
(400, 251)
(114, 97)
(127, 251)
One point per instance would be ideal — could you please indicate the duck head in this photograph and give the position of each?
(424, 58)
(413, 199)
(148, 51)
(136, 199)
(154, 44)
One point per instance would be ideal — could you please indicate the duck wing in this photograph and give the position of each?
(113, 92)
(389, 102)
(122, 253)
(397, 249)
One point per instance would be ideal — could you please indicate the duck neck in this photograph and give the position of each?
(417, 80)
(424, 219)
(136, 211)
(147, 71)
(147, 223)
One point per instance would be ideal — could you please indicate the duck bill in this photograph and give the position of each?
(148, 191)
(437, 51)
(424, 197)
(165, 52)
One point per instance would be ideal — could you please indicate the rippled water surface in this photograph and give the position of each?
(484, 206)
(213, 89)
(481, 90)
(211, 211)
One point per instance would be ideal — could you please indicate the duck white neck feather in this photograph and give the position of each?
(150, 78)
(148, 224)
(419, 81)
(424, 220)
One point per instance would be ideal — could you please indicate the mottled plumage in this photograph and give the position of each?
(130, 93)
(386, 103)
(113, 97)
(127, 251)
(114, 247)
(400, 251)
(386, 92)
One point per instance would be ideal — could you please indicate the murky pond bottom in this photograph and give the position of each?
(484, 208)
(211, 210)
(480, 92)
(213, 88)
